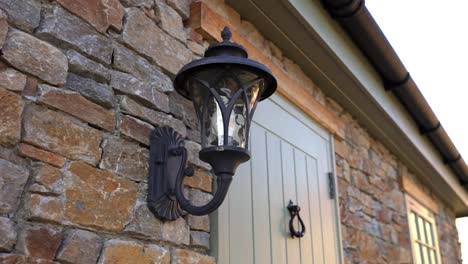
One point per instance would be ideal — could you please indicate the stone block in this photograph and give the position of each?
(199, 222)
(177, 232)
(30, 89)
(3, 28)
(196, 48)
(136, 129)
(7, 235)
(184, 256)
(394, 199)
(12, 156)
(47, 180)
(199, 198)
(183, 108)
(131, 107)
(11, 107)
(45, 208)
(12, 181)
(125, 158)
(114, 13)
(89, 10)
(357, 135)
(87, 68)
(145, 224)
(12, 80)
(34, 153)
(342, 148)
(96, 92)
(99, 13)
(140, 33)
(96, 198)
(181, 6)
(36, 57)
(118, 251)
(193, 149)
(194, 135)
(127, 61)
(138, 3)
(80, 247)
(169, 20)
(25, 14)
(200, 239)
(75, 104)
(193, 35)
(126, 83)
(200, 180)
(62, 134)
(39, 242)
(16, 259)
(68, 31)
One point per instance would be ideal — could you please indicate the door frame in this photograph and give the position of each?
(337, 195)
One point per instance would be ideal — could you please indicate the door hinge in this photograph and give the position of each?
(331, 185)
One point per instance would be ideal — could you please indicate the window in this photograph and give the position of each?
(423, 233)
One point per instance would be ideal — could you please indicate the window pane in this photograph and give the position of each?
(421, 229)
(429, 255)
(434, 256)
(426, 232)
(430, 233)
(418, 255)
(425, 255)
(418, 228)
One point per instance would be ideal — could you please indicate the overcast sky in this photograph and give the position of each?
(431, 38)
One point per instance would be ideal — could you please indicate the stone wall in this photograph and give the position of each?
(372, 204)
(82, 86)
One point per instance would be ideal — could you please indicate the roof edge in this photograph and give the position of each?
(307, 34)
(357, 21)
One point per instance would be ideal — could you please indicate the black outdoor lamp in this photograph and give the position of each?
(225, 87)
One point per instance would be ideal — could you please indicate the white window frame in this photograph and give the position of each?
(423, 212)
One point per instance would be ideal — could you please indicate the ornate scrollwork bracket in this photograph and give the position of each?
(167, 171)
(166, 161)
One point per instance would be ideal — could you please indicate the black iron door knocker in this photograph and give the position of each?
(294, 211)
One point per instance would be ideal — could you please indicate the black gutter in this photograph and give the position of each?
(356, 20)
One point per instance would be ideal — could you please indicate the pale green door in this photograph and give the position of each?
(291, 159)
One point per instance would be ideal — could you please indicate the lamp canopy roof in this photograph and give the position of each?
(225, 54)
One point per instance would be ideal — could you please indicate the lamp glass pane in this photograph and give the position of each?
(224, 97)
(208, 112)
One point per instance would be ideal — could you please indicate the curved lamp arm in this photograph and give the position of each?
(224, 181)
(167, 171)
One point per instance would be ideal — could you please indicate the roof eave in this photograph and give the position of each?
(307, 34)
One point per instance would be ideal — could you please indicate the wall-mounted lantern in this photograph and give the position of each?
(225, 87)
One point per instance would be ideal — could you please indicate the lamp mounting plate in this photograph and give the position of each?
(166, 162)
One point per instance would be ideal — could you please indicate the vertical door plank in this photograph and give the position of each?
(303, 202)
(241, 248)
(220, 220)
(289, 185)
(260, 203)
(315, 211)
(277, 212)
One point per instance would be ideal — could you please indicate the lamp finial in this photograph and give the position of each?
(226, 34)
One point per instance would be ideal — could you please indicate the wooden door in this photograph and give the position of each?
(291, 159)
